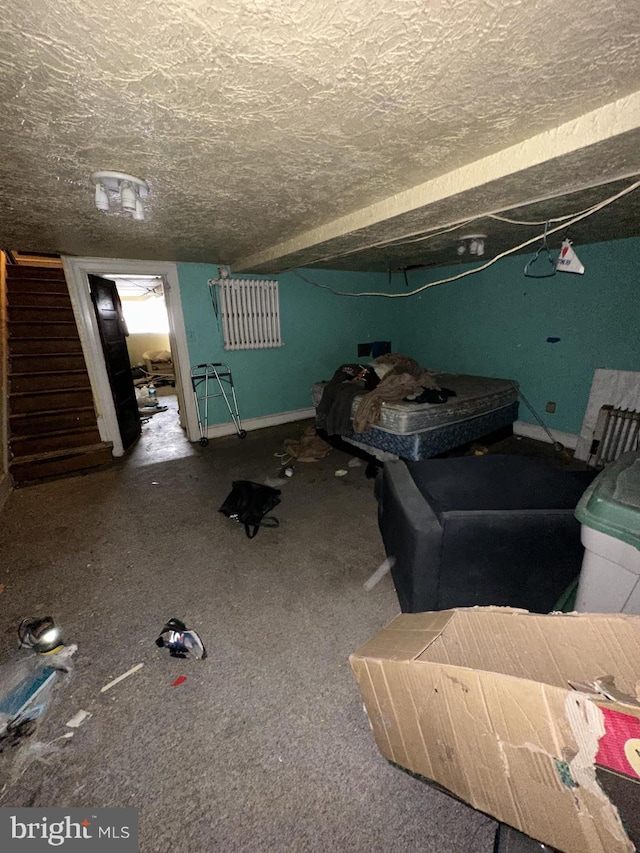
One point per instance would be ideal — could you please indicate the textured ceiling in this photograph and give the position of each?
(276, 133)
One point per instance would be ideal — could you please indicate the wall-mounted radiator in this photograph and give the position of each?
(250, 313)
(616, 432)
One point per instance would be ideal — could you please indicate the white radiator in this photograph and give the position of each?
(250, 313)
(616, 432)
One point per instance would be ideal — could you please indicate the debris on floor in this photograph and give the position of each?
(181, 641)
(379, 573)
(28, 681)
(341, 472)
(78, 719)
(309, 448)
(179, 680)
(122, 677)
(40, 634)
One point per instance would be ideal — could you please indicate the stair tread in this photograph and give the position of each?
(16, 339)
(25, 271)
(33, 373)
(14, 296)
(39, 355)
(44, 413)
(71, 322)
(64, 312)
(36, 278)
(54, 433)
(62, 453)
(42, 391)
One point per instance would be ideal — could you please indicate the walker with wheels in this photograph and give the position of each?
(220, 375)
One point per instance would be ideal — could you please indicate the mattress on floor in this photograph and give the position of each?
(475, 395)
(382, 443)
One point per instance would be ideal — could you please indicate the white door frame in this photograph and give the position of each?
(76, 271)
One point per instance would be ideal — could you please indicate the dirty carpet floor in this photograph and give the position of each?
(265, 747)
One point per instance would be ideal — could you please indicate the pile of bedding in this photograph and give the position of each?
(391, 378)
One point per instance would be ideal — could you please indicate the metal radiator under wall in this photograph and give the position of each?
(617, 431)
(250, 313)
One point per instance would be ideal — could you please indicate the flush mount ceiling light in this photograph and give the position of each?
(472, 243)
(128, 190)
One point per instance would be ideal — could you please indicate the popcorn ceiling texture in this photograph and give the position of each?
(257, 121)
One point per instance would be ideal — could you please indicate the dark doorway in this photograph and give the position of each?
(111, 325)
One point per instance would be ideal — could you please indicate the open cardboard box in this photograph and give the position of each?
(532, 719)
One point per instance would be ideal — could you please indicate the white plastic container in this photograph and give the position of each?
(609, 512)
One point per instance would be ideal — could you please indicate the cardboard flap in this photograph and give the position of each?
(606, 687)
(551, 649)
(406, 637)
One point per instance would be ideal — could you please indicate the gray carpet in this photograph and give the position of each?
(266, 746)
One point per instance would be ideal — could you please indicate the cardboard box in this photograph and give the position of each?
(480, 700)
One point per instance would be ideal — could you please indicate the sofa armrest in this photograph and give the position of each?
(412, 536)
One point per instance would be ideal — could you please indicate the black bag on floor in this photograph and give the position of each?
(248, 503)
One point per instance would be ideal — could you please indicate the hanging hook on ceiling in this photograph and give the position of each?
(544, 247)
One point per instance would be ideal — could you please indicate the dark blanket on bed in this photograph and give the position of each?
(333, 414)
(404, 378)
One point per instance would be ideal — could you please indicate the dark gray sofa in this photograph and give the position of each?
(483, 530)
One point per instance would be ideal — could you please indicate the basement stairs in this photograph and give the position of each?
(52, 421)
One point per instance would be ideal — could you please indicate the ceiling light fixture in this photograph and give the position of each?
(128, 190)
(102, 199)
(138, 213)
(473, 243)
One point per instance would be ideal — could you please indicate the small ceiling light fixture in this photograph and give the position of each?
(473, 243)
(102, 199)
(116, 186)
(138, 213)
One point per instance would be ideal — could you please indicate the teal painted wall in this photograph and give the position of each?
(496, 323)
(320, 331)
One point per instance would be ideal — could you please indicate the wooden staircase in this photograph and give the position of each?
(52, 421)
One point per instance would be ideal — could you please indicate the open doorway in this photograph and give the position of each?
(152, 355)
(145, 316)
(145, 321)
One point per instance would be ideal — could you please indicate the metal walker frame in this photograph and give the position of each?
(220, 374)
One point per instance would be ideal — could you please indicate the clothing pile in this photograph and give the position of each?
(391, 378)
(310, 448)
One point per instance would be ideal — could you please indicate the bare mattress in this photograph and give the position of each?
(475, 395)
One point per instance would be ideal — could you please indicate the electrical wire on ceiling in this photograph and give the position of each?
(501, 218)
(566, 222)
(424, 234)
(143, 283)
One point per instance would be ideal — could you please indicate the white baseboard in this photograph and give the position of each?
(217, 430)
(568, 439)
